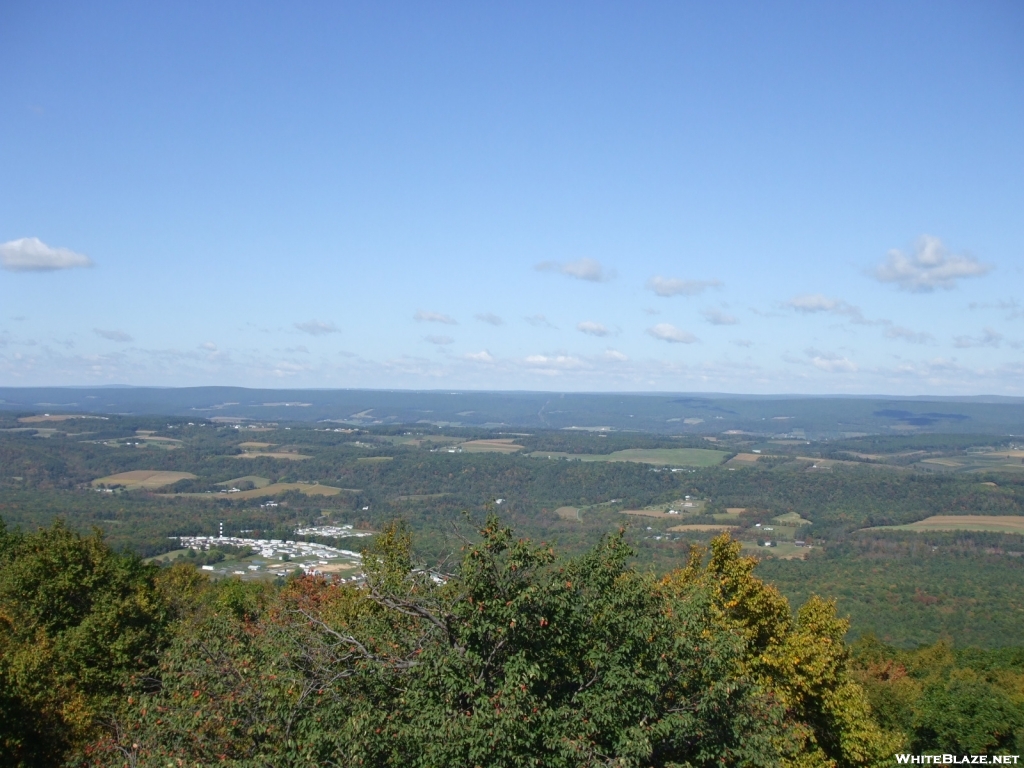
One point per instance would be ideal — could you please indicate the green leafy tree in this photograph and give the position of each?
(967, 715)
(803, 661)
(76, 620)
(518, 659)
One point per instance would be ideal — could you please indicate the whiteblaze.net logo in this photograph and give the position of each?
(957, 759)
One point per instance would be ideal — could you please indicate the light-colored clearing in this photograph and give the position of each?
(649, 513)
(421, 496)
(309, 489)
(373, 459)
(259, 482)
(255, 445)
(791, 518)
(48, 417)
(943, 462)
(986, 523)
(709, 527)
(143, 478)
(568, 513)
(732, 514)
(505, 445)
(273, 455)
(783, 550)
(748, 457)
(673, 457)
(335, 567)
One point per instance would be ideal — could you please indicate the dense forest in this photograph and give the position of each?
(515, 656)
(587, 637)
(928, 586)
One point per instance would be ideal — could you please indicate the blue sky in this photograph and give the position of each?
(742, 197)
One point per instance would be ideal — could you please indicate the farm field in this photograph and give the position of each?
(56, 417)
(649, 513)
(420, 440)
(744, 459)
(791, 518)
(672, 457)
(490, 446)
(309, 489)
(675, 510)
(256, 480)
(986, 523)
(702, 527)
(149, 479)
(976, 461)
(732, 515)
(568, 513)
(783, 550)
(288, 455)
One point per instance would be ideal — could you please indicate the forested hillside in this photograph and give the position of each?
(618, 622)
(517, 657)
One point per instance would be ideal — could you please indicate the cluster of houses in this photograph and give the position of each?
(335, 531)
(277, 556)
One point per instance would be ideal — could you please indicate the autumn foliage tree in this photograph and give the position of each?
(516, 659)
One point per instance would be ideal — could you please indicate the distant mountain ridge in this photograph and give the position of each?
(783, 416)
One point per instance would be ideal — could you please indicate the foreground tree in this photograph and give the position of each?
(517, 660)
(803, 662)
(946, 702)
(76, 621)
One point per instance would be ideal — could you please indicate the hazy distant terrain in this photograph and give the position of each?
(698, 414)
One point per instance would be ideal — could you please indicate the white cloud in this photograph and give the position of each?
(555, 362)
(30, 254)
(930, 266)
(209, 346)
(668, 332)
(1011, 306)
(742, 342)
(490, 318)
(673, 286)
(988, 338)
(591, 328)
(539, 321)
(717, 317)
(422, 316)
(811, 303)
(615, 356)
(317, 327)
(482, 356)
(582, 269)
(830, 362)
(439, 339)
(113, 335)
(906, 334)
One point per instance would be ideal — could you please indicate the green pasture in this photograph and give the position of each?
(662, 457)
